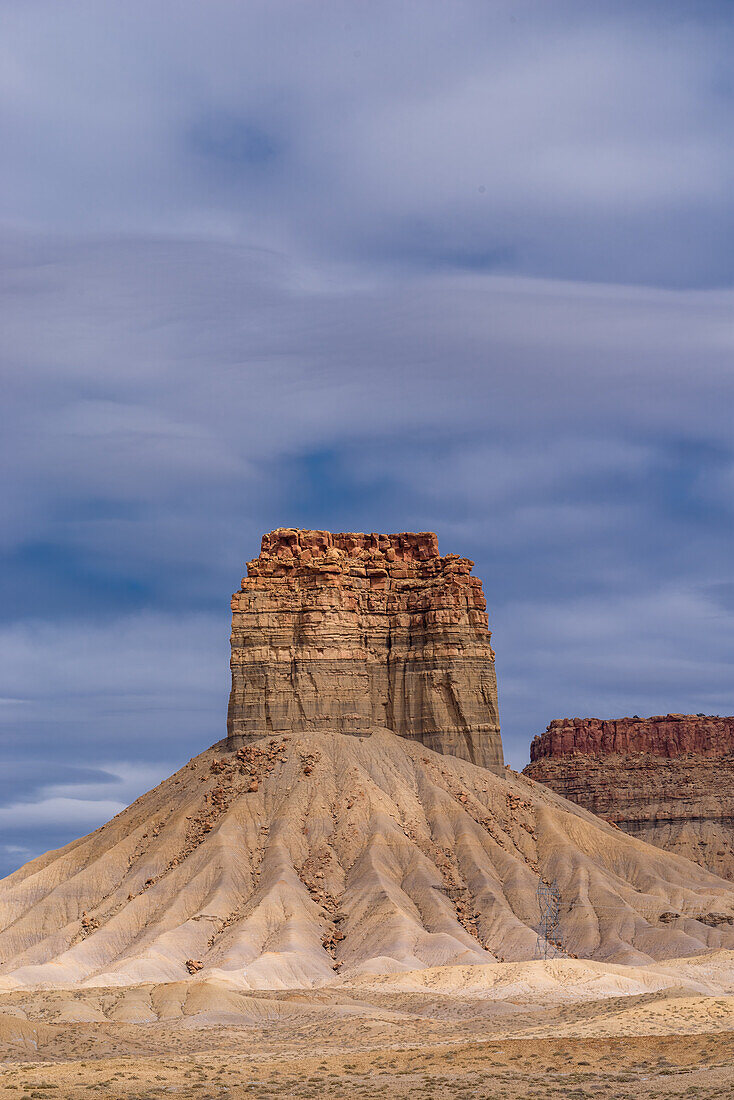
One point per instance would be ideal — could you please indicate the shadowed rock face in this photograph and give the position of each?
(668, 780)
(351, 631)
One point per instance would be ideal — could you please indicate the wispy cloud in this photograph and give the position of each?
(464, 269)
(58, 812)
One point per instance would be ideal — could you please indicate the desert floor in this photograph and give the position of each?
(542, 1029)
(242, 1066)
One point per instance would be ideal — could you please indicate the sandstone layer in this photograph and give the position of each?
(348, 631)
(668, 780)
(311, 859)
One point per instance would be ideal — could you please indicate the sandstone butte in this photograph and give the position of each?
(349, 631)
(668, 780)
(324, 840)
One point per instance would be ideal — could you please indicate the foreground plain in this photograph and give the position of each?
(557, 1028)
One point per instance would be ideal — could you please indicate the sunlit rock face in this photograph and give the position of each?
(352, 631)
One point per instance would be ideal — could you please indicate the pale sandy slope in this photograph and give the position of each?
(437, 1008)
(559, 981)
(354, 856)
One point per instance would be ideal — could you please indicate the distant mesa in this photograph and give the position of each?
(668, 780)
(668, 735)
(345, 632)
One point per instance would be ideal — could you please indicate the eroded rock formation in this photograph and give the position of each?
(351, 631)
(668, 780)
(667, 735)
(309, 858)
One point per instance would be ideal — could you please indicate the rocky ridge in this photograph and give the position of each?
(668, 780)
(302, 860)
(669, 735)
(347, 631)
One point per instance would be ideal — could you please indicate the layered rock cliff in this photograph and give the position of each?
(668, 780)
(668, 735)
(351, 631)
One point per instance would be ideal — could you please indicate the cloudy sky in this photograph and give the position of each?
(403, 265)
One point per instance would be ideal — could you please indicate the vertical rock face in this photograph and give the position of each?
(350, 631)
(668, 735)
(668, 780)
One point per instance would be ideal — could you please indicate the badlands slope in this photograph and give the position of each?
(322, 858)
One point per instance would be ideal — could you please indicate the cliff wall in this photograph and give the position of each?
(667, 735)
(350, 631)
(668, 780)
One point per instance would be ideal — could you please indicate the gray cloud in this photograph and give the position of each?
(643, 654)
(150, 686)
(465, 269)
(554, 140)
(555, 431)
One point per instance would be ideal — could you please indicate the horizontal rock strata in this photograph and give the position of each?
(668, 780)
(668, 735)
(351, 631)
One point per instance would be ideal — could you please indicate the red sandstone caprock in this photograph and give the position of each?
(350, 631)
(668, 735)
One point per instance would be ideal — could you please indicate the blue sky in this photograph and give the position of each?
(459, 267)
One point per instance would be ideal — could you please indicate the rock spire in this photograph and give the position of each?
(352, 631)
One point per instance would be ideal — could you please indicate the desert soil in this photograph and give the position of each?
(544, 1031)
